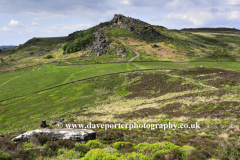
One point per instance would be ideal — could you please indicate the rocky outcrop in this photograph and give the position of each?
(135, 25)
(98, 45)
(59, 134)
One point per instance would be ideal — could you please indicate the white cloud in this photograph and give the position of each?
(125, 2)
(68, 27)
(196, 18)
(32, 29)
(46, 31)
(6, 29)
(233, 2)
(62, 28)
(15, 23)
(35, 24)
(234, 15)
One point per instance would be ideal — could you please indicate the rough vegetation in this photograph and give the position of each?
(80, 88)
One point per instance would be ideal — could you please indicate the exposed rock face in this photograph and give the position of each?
(133, 24)
(98, 45)
(124, 55)
(59, 134)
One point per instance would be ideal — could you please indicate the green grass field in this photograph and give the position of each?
(33, 79)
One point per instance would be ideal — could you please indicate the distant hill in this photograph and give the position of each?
(217, 30)
(2, 47)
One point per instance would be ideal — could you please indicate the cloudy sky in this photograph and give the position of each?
(21, 20)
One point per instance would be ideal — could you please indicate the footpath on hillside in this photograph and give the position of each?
(137, 55)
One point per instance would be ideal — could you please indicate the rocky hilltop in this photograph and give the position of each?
(135, 26)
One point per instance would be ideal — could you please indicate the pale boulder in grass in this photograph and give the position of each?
(59, 134)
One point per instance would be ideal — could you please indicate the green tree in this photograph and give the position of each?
(64, 46)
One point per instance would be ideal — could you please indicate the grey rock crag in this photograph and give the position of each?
(136, 25)
(98, 45)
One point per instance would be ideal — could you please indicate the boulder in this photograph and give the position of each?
(123, 26)
(154, 46)
(59, 134)
(124, 55)
(118, 42)
(131, 28)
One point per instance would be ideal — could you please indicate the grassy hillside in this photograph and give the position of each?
(160, 81)
(178, 46)
(37, 78)
(176, 96)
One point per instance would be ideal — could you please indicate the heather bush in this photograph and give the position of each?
(5, 156)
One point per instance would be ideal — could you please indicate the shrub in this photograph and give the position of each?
(220, 54)
(229, 148)
(72, 154)
(197, 155)
(142, 146)
(124, 147)
(118, 145)
(135, 155)
(189, 149)
(94, 143)
(83, 149)
(5, 156)
(28, 145)
(100, 154)
(53, 145)
(66, 144)
(158, 156)
(48, 56)
(43, 139)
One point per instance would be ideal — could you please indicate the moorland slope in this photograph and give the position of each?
(125, 71)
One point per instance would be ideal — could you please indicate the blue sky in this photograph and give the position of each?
(21, 20)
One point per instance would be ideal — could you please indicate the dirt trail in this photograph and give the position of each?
(137, 55)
